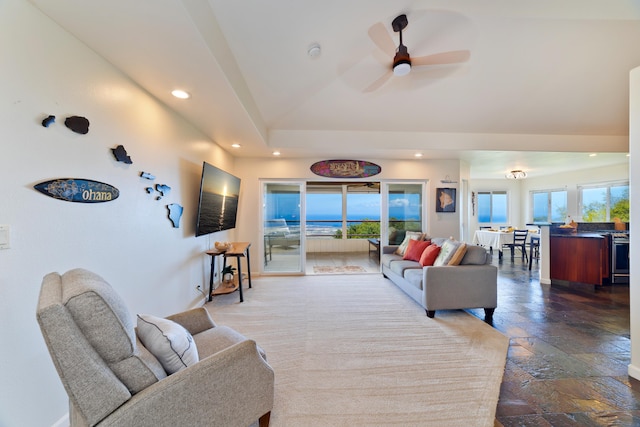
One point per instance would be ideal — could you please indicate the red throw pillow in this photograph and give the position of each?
(415, 249)
(429, 255)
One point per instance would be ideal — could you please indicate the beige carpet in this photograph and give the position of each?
(344, 269)
(354, 350)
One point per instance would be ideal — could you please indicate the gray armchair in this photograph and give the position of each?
(113, 380)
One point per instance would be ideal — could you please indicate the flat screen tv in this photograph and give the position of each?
(218, 205)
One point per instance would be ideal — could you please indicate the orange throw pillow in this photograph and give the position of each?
(429, 255)
(458, 255)
(415, 249)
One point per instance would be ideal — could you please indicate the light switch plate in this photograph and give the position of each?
(4, 237)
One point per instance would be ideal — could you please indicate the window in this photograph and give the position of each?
(549, 206)
(404, 206)
(343, 210)
(492, 207)
(604, 202)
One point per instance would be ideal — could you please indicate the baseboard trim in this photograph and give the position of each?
(634, 371)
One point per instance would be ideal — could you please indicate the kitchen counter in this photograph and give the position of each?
(579, 235)
(579, 258)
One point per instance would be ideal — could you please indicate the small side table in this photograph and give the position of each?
(374, 246)
(238, 250)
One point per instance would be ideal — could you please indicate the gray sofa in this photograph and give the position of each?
(472, 284)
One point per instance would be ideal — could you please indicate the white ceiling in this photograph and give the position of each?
(547, 81)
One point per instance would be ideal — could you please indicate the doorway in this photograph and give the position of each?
(341, 217)
(325, 227)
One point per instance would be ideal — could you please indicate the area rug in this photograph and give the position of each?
(356, 351)
(343, 269)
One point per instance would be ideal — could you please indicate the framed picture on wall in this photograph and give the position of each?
(445, 199)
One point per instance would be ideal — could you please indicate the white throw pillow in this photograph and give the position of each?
(448, 249)
(410, 235)
(168, 341)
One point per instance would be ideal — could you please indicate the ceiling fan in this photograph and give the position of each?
(402, 61)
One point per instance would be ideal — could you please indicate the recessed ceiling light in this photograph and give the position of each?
(276, 153)
(418, 155)
(236, 145)
(178, 93)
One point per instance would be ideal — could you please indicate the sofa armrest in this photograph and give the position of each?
(195, 320)
(469, 286)
(232, 387)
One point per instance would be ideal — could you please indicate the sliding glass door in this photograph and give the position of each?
(282, 231)
(404, 208)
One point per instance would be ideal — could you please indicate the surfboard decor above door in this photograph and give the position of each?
(345, 168)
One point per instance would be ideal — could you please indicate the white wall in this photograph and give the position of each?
(253, 169)
(634, 190)
(570, 181)
(519, 190)
(129, 241)
(514, 198)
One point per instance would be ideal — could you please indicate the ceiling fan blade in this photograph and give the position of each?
(380, 36)
(378, 83)
(452, 57)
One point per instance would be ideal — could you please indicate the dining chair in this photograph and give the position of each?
(534, 249)
(520, 242)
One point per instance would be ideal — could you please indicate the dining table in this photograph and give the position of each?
(494, 239)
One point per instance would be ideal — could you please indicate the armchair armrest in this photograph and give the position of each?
(233, 387)
(195, 321)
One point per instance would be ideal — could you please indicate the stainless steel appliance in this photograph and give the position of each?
(619, 257)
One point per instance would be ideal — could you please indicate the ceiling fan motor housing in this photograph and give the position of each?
(402, 60)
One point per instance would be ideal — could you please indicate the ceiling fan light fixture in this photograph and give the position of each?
(516, 174)
(401, 68)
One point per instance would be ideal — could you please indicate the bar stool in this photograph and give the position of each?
(534, 249)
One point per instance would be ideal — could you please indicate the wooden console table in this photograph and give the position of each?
(238, 250)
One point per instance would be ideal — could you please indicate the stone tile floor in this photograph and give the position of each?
(568, 354)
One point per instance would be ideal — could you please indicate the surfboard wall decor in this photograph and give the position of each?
(345, 168)
(78, 190)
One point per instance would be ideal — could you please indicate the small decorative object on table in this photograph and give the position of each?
(222, 246)
(227, 275)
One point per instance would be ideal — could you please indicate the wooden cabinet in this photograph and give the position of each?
(579, 258)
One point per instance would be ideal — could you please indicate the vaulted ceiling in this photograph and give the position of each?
(546, 82)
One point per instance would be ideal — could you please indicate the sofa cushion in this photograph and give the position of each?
(415, 249)
(387, 259)
(409, 235)
(399, 267)
(475, 255)
(458, 255)
(447, 250)
(438, 240)
(429, 255)
(168, 341)
(414, 277)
